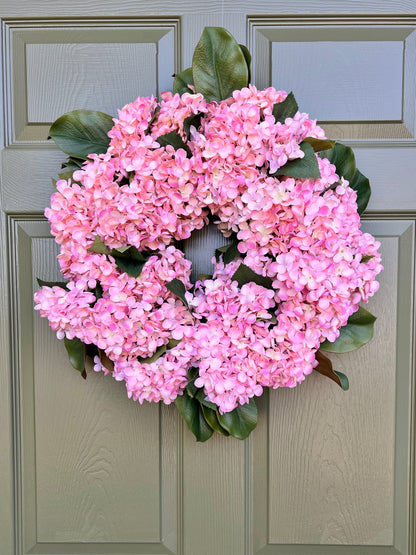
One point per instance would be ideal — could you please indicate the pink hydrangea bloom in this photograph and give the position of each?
(303, 234)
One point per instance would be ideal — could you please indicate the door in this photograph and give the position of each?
(86, 471)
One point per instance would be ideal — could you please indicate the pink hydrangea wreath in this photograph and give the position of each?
(295, 270)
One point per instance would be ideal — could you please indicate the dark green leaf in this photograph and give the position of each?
(361, 184)
(229, 252)
(194, 120)
(219, 66)
(178, 288)
(344, 161)
(244, 274)
(98, 246)
(160, 351)
(366, 258)
(130, 260)
(174, 139)
(319, 144)
(357, 332)
(76, 353)
(247, 57)
(201, 396)
(325, 368)
(211, 416)
(191, 412)
(182, 80)
(301, 168)
(191, 388)
(241, 421)
(42, 283)
(203, 277)
(82, 132)
(285, 109)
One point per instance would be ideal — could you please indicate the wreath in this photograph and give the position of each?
(286, 287)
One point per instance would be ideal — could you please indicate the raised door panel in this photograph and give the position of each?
(325, 472)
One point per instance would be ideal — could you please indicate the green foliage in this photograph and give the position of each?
(82, 132)
(319, 144)
(219, 66)
(285, 109)
(357, 332)
(193, 415)
(182, 80)
(178, 288)
(42, 283)
(325, 368)
(241, 421)
(301, 168)
(76, 353)
(344, 161)
(244, 274)
(174, 139)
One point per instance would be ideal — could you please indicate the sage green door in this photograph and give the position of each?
(86, 471)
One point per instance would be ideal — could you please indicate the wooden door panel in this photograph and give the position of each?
(86, 471)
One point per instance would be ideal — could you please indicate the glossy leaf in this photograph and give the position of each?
(219, 66)
(244, 274)
(344, 161)
(191, 412)
(82, 132)
(194, 120)
(229, 252)
(174, 139)
(191, 388)
(105, 361)
(182, 80)
(211, 416)
(241, 421)
(285, 109)
(178, 288)
(357, 332)
(319, 144)
(201, 396)
(131, 260)
(76, 353)
(325, 368)
(61, 284)
(247, 57)
(160, 351)
(301, 168)
(98, 246)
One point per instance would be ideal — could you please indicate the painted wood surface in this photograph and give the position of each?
(83, 470)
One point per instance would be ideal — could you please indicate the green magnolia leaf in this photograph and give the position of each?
(191, 412)
(244, 274)
(211, 416)
(131, 260)
(319, 144)
(325, 368)
(42, 283)
(201, 396)
(174, 139)
(247, 57)
(178, 288)
(76, 353)
(160, 351)
(357, 332)
(285, 109)
(82, 132)
(194, 120)
(241, 421)
(219, 66)
(301, 168)
(229, 252)
(366, 258)
(344, 161)
(99, 247)
(361, 184)
(203, 277)
(182, 80)
(191, 388)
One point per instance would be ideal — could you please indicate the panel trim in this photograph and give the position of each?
(263, 29)
(405, 425)
(17, 32)
(21, 230)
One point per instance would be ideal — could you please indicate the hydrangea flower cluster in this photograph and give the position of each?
(301, 234)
